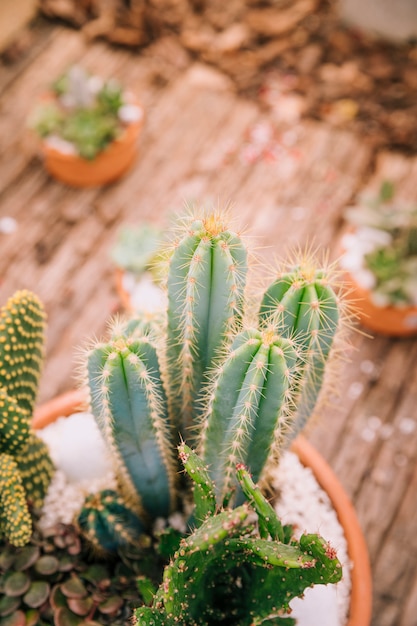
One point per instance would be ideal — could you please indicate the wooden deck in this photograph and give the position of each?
(196, 145)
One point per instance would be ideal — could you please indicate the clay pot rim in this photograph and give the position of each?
(124, 137)
(386, 320)
(360, 609)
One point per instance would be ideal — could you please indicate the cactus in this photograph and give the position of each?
(206, 280)
(25, 466)
(236, 387)
(107, 523)
(250, 406)
(129, 402)
(302, 305)
(224, 573)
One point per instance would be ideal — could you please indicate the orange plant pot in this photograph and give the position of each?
(122, 293)
(390, 321)
(360, 609)
(108, 166)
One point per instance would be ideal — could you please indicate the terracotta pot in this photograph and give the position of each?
(391, 321)
(123, 294)
(105, 168)
(361, 592)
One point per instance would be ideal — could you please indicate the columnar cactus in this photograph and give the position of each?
(250, 406)
(25, 466)
(302, 305)
(206, 281)
(236, 387)
(129, 402)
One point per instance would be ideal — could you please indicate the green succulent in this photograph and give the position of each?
(56, 580)
(85, 118)
(389, 230)
(228, 571)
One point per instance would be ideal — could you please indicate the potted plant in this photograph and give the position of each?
(88, 129)
(135, 254)
(237, 386)
(380, 257)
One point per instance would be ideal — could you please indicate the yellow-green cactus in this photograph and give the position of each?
(22, 330)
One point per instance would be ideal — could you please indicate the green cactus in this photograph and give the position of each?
(129, 402)
(206, 280)
(236, 387)
(107, 523)
(250, 406)
(302, 305)
(22, 329)
(224, 573)
(15, 519)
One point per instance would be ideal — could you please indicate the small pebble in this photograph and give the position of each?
(130, 113)
(8, 225)
(407, 426)
(367, 367)
(355, 390)
(368, 434)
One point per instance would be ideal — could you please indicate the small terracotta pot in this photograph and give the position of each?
(389, 320)
(361, 593)
(123, 294)
(105, 168)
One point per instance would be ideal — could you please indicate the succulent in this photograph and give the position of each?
(25, 466)
(85, 113)
(136, 248)
(228, 571)
(56, 579)
(381, 252)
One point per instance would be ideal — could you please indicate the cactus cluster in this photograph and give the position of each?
(25, 466)
(236, 380)
(236, 386)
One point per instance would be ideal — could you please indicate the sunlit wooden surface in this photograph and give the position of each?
(198, 146)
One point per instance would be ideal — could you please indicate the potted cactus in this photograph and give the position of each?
(217, 391)
(88, 129)
(380, 258)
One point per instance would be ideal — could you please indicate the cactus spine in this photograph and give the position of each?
(25, 466)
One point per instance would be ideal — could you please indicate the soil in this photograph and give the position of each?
(293, 55)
